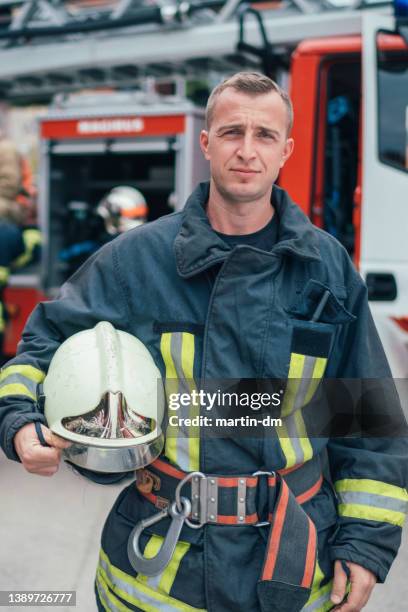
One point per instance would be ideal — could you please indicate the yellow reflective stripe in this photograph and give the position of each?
(165, 347)
(163, 601)
(187, 365)
(31, 239)
(171, 387)
(28, 371)
(170, 573)
(365, 485)
(163, 581)
(182, 450)
(296, 365)
(295, 371)
(372, 513)
(4, 274)
(16, 389)
(108, 599)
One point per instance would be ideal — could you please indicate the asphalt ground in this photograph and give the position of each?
(50, 531)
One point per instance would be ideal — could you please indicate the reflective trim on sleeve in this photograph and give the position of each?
(31, 239)
(16, 389)
(135, 592)
(27, 371)
(20, 380)
(372, 500)
(182, 445)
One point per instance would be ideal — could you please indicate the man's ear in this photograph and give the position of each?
(204, 144)
(287, 151)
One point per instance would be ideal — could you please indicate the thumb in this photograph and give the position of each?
(339, 583)
(53, 440)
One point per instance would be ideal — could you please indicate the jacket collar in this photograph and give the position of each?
(198, 247)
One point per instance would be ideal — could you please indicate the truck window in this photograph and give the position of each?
(342, 114)
(393, 106)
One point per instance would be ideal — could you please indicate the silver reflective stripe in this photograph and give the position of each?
(22, 380)
(134, 592)
(294, 438)
(371, 499)
(103, 596)
(304, 384)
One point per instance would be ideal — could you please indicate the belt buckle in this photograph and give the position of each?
(198, 492)
(268, 474)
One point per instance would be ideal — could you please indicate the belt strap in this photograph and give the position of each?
(228, 500)
(260, 499)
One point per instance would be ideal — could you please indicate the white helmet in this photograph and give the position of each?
(122, 209)
(104, 393)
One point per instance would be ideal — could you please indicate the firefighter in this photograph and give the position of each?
(241, 285)
(18, 242)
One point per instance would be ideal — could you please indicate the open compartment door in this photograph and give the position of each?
(384, 230)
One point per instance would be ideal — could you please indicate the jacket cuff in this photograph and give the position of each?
(14, 423)
(344, 554)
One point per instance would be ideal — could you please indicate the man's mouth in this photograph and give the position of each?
(246, 171)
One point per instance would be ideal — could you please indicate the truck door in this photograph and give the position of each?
(384, 219)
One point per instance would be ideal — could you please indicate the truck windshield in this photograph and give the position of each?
(393, 100)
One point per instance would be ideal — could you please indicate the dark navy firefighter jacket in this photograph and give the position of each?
(252, 320)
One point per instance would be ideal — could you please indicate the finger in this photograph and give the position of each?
(53, 440)
(38, 457)
(47, 472)
(361, 588)
(339, 584)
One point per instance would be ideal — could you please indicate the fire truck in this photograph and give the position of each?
(345, 65)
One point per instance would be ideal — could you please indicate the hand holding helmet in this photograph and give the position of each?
(35, 457)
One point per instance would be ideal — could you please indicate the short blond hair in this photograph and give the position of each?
(252, 84)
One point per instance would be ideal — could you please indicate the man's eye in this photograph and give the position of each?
(232, 132)
(267, 135)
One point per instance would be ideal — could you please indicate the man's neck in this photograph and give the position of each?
(237, 218)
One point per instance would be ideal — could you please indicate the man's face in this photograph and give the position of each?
(246, 144)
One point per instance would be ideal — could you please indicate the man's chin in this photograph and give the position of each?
(243, 193)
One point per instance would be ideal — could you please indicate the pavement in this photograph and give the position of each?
(50, 531)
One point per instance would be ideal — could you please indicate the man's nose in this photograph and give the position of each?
(246, 150)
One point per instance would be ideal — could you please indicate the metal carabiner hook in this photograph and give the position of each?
(155, 565)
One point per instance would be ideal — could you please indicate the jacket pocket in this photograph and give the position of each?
(320, 303)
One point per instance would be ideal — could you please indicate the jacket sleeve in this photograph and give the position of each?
(96, 292)
(369, 472)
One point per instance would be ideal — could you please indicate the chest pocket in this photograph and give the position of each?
(180, 345)
(315, 319)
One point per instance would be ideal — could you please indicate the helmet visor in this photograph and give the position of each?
(111, 419)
